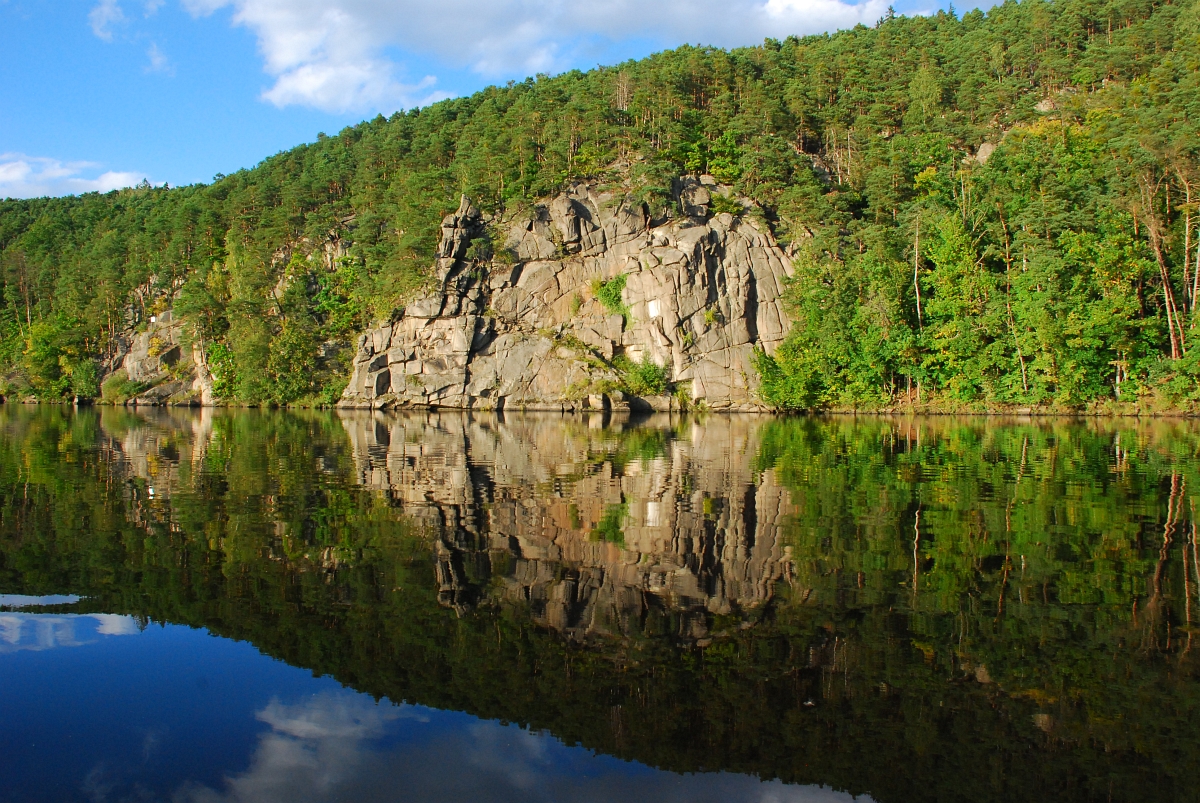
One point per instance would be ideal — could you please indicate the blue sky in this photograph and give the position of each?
(98, 94)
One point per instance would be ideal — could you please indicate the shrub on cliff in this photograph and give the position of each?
(609, 294)
(642, 378)
(117, 388)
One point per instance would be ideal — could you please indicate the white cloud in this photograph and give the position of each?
(106, 14)
(158, 60)
(152, 6)
(349, 86)
(332, 54)
(112, 624)
(314, 750)
(23, 176)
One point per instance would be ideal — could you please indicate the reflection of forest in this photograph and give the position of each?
(932, 609)
(592, 526)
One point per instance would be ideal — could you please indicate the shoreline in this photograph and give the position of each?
(568, 409)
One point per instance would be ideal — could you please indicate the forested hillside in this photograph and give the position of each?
(997, 209)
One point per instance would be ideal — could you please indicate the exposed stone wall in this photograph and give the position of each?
(590, 535)
(162, 358)
(702, 291)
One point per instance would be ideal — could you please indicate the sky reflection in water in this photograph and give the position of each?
(130, 718)
(26, 631)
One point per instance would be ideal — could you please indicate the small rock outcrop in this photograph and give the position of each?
(527, 326)
(161, 359)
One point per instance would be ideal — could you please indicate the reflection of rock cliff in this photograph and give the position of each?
(529, 328)
(599, 530)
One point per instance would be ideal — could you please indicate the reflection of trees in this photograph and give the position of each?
(1049, 555)
(762, 618)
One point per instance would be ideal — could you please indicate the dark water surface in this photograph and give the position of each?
(254, 606)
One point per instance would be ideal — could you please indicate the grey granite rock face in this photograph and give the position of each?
(161, 358)
(526, 330)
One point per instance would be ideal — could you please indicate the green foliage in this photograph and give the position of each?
(480, 249)
(289, 364)
(720, 157)
(51, 351)
(641, 445)
(85, 379)
(337, 302)
(786, 382)
(610, 528)
(643, 378)
(223, 368)
(925, 95)
(724, 159)
(723, 203)
(118, 388)
(609, 294)
(250, 346)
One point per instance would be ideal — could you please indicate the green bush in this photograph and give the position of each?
(85, 381)
(52, 345)
(723, 158)
(641, 378)
(223, 369)
(609, 294)
(724, 203)
(787, 383)
(117, 387)
(480, 249)
(289, 364)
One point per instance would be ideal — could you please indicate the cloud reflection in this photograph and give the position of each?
(39, 631)
(345, 746)
(27, 601)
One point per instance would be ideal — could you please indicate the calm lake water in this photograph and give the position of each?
(256, 606)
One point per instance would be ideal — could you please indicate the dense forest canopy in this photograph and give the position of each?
(992, 209)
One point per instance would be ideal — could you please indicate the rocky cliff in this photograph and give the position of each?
(575, 294)
(164, 366)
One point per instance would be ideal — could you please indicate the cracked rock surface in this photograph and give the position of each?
(524, 329)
